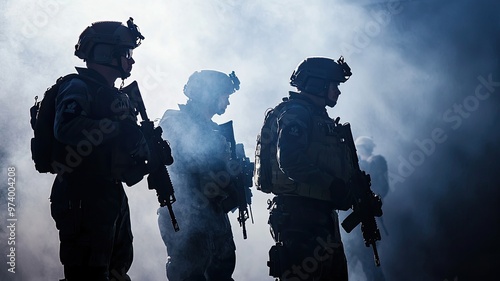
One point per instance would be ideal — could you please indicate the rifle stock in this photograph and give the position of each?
(160, 154)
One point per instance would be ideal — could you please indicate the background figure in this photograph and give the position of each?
(99, 144)
(203, 249)
(376, 167)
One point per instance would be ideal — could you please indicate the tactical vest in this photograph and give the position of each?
(90, 155)
(326, 147)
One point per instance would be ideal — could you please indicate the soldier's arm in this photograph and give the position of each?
(294, 127)
(379, 175)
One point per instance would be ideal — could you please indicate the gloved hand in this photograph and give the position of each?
(341, 195)
(367, 201)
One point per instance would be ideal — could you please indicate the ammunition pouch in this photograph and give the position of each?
(281, 184)
(277, 218)
(304, 190)
(277, 260)
(314, 192)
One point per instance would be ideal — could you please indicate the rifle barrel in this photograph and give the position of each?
(375, 254)
(172, 217)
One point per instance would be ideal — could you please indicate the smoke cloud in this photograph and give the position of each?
(425, 87)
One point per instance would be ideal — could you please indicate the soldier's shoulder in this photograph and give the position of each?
(72, 81)
(72, 87)
(296, 107)
(295, 112)
(170, 114)
(377, 160)
(174, 118)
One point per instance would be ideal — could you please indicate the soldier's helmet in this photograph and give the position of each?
(365, 143)
(206, 85)
(314, 74)
(105, 40)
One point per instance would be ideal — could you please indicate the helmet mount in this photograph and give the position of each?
(134, 29)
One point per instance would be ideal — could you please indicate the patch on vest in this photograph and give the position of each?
(294, 131)
(330, 129)
(71, 107)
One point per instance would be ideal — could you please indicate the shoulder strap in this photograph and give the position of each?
(67, 77)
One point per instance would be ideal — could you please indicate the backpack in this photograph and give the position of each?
(265, 151)
(44, 143)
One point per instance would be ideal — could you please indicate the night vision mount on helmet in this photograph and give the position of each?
(103, 41)
(314, 74)
(204, 85)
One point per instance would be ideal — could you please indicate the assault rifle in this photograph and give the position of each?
(367, 205)
(160, 154)
(241, 170)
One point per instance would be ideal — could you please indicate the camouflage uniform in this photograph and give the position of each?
(204, 248)
(88, 202)
(310, 162)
